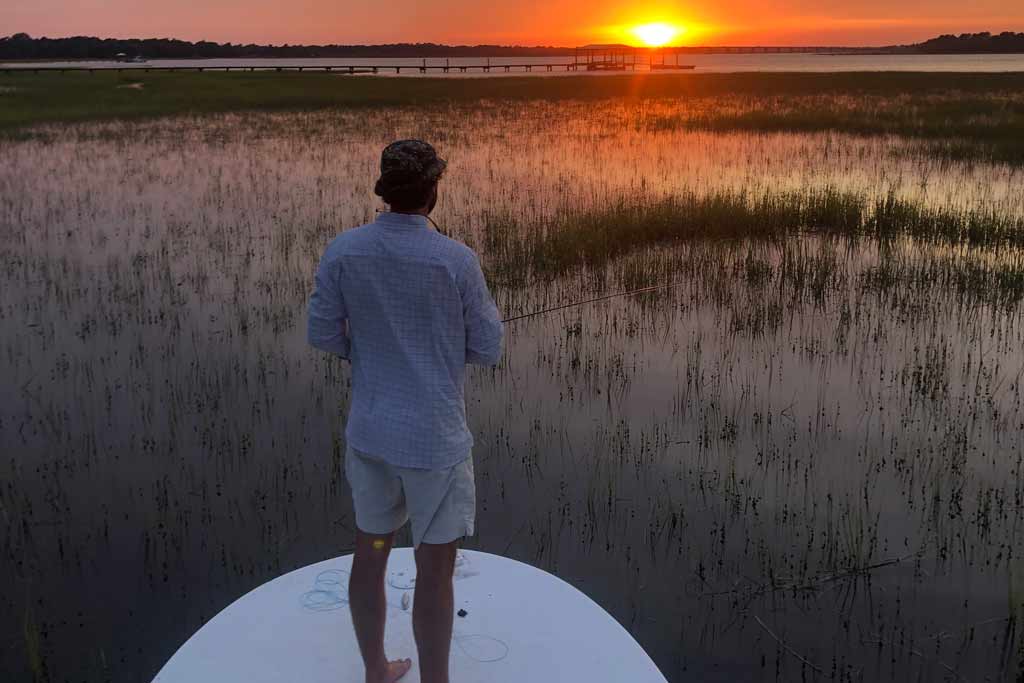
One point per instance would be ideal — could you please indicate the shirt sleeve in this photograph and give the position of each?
(328, 317)
(484, 329)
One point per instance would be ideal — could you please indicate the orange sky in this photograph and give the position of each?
(527, 22)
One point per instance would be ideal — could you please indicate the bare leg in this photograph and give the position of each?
(369, 606)
(433, 608)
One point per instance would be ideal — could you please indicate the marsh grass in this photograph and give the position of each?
(813, 421)
(957, 123)
(961, 115)
(33, 647)
(998, 283)
(590, 238)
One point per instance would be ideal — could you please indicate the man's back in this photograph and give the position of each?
(410, 308)
(417, 310)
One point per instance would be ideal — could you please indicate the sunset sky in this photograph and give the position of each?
(525, 22)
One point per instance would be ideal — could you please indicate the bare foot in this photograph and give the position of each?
(392, 673)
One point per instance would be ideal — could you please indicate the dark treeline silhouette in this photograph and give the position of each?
(1006, 42)
(23, 46)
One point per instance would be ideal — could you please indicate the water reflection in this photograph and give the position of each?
(807, 447)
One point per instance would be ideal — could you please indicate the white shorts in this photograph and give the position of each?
(440, 504)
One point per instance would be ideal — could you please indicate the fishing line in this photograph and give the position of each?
(328, 591)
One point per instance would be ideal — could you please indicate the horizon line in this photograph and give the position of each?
(505, 46)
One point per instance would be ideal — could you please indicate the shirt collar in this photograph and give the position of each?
(401, 220)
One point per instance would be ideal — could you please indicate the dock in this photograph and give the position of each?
(482, 67)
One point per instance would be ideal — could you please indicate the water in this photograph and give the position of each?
(808, 446)
(705, 63)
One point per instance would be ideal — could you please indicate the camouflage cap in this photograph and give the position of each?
(407, 163)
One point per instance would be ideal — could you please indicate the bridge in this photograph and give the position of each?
(777, 49)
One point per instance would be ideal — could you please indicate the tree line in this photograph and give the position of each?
(1003, 43)
(23, 46)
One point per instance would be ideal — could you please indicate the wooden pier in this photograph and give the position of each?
(333, 68)
(482, 67)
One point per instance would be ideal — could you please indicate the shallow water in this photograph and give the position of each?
(801, 462)
(704, 63)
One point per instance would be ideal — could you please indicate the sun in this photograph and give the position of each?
(656, 34)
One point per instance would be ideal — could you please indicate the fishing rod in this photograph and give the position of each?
(631, 292)
(642, 290)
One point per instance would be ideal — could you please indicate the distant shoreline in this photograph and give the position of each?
(21, 47)
(270, 59)
(845, 52)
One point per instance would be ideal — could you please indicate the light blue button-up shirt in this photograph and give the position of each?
(409, 308)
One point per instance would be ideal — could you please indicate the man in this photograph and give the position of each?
(409, 308)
